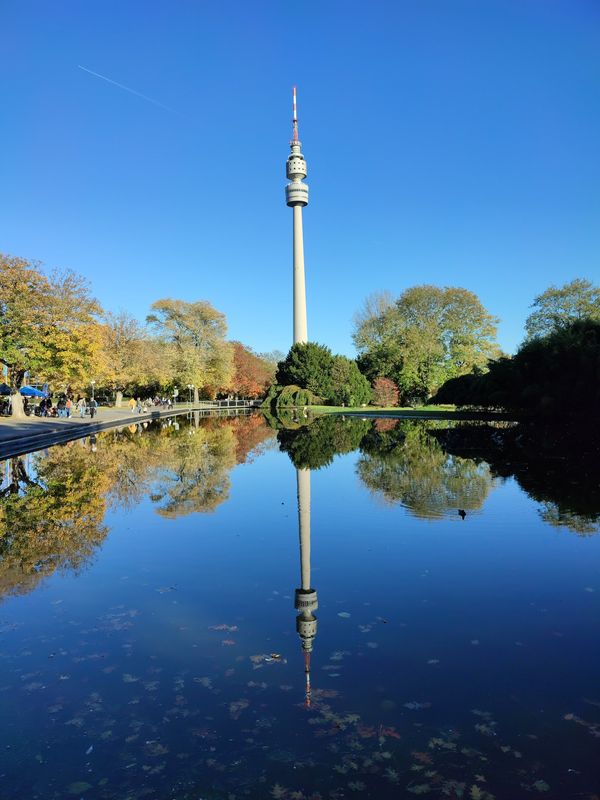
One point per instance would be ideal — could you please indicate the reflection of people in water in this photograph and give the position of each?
(305, 596)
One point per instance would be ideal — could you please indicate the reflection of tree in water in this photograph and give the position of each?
(405, 464)
(51, 521)
(53, 503)
(194, 472)
(557, 467)
(315, 444)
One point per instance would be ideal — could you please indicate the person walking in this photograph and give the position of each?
(81, 407)
(132, 405)
(68, 407)
(138, 405)
(93, 407)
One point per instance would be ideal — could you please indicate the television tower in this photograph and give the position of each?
(296, 196)
(305, 600)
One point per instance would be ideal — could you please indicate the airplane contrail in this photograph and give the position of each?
(127, 89)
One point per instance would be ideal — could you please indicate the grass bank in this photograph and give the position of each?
(408, 412)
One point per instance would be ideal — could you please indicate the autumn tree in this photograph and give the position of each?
(252, 375)
(385, 392)
(48, 326)
(201, 356)
(130, 356)
(427, 335)
(557, 307)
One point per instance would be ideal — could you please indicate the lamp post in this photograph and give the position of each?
(190, 387)
(92, 382)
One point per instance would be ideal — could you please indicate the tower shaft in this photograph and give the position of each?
(303, 483)
(300, 324)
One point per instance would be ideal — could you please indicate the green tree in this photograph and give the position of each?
(349, 387)
(48, 326)
(425, 337)
(309, 366)
(201, 355)
(556, 375)
(558, 307)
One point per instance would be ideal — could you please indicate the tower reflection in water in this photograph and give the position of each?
(305, 597)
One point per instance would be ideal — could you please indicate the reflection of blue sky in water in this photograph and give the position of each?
(154, 656)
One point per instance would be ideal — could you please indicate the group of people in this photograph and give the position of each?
(139, 406)
(66, 407)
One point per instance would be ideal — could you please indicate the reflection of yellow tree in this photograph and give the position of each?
(52, 521)
(52, 511)
(194, 472)
(408, 466)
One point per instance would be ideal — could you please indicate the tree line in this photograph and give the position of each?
(52, 330)
(434, 344)
(430, 344)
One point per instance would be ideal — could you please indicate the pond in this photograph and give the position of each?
(371, 608)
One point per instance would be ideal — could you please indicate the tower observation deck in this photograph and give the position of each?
(296, 196)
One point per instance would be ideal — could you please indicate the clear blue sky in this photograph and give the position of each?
(454, 142)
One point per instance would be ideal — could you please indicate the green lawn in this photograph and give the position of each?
(443, 412)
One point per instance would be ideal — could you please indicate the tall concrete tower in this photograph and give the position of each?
(305, 597)
(296, 196)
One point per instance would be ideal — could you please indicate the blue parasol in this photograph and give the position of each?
(29, 391)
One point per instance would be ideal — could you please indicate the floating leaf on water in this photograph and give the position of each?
(278, 792)
(344, 614)
(223, 627)
(206, 682)
(475, 793)
(486, 729)
(414, 706)
(357, 786)
(541, 786)
(419, 788)
(127, 678)
(424, 758)
(365, 731)
(237, 706)
(372, 645)
(228, 642)
(79, 787)
(433, 661)
(154, 748)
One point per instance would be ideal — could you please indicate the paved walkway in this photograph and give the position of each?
(19, 436)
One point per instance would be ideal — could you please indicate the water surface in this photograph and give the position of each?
(149, 635)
